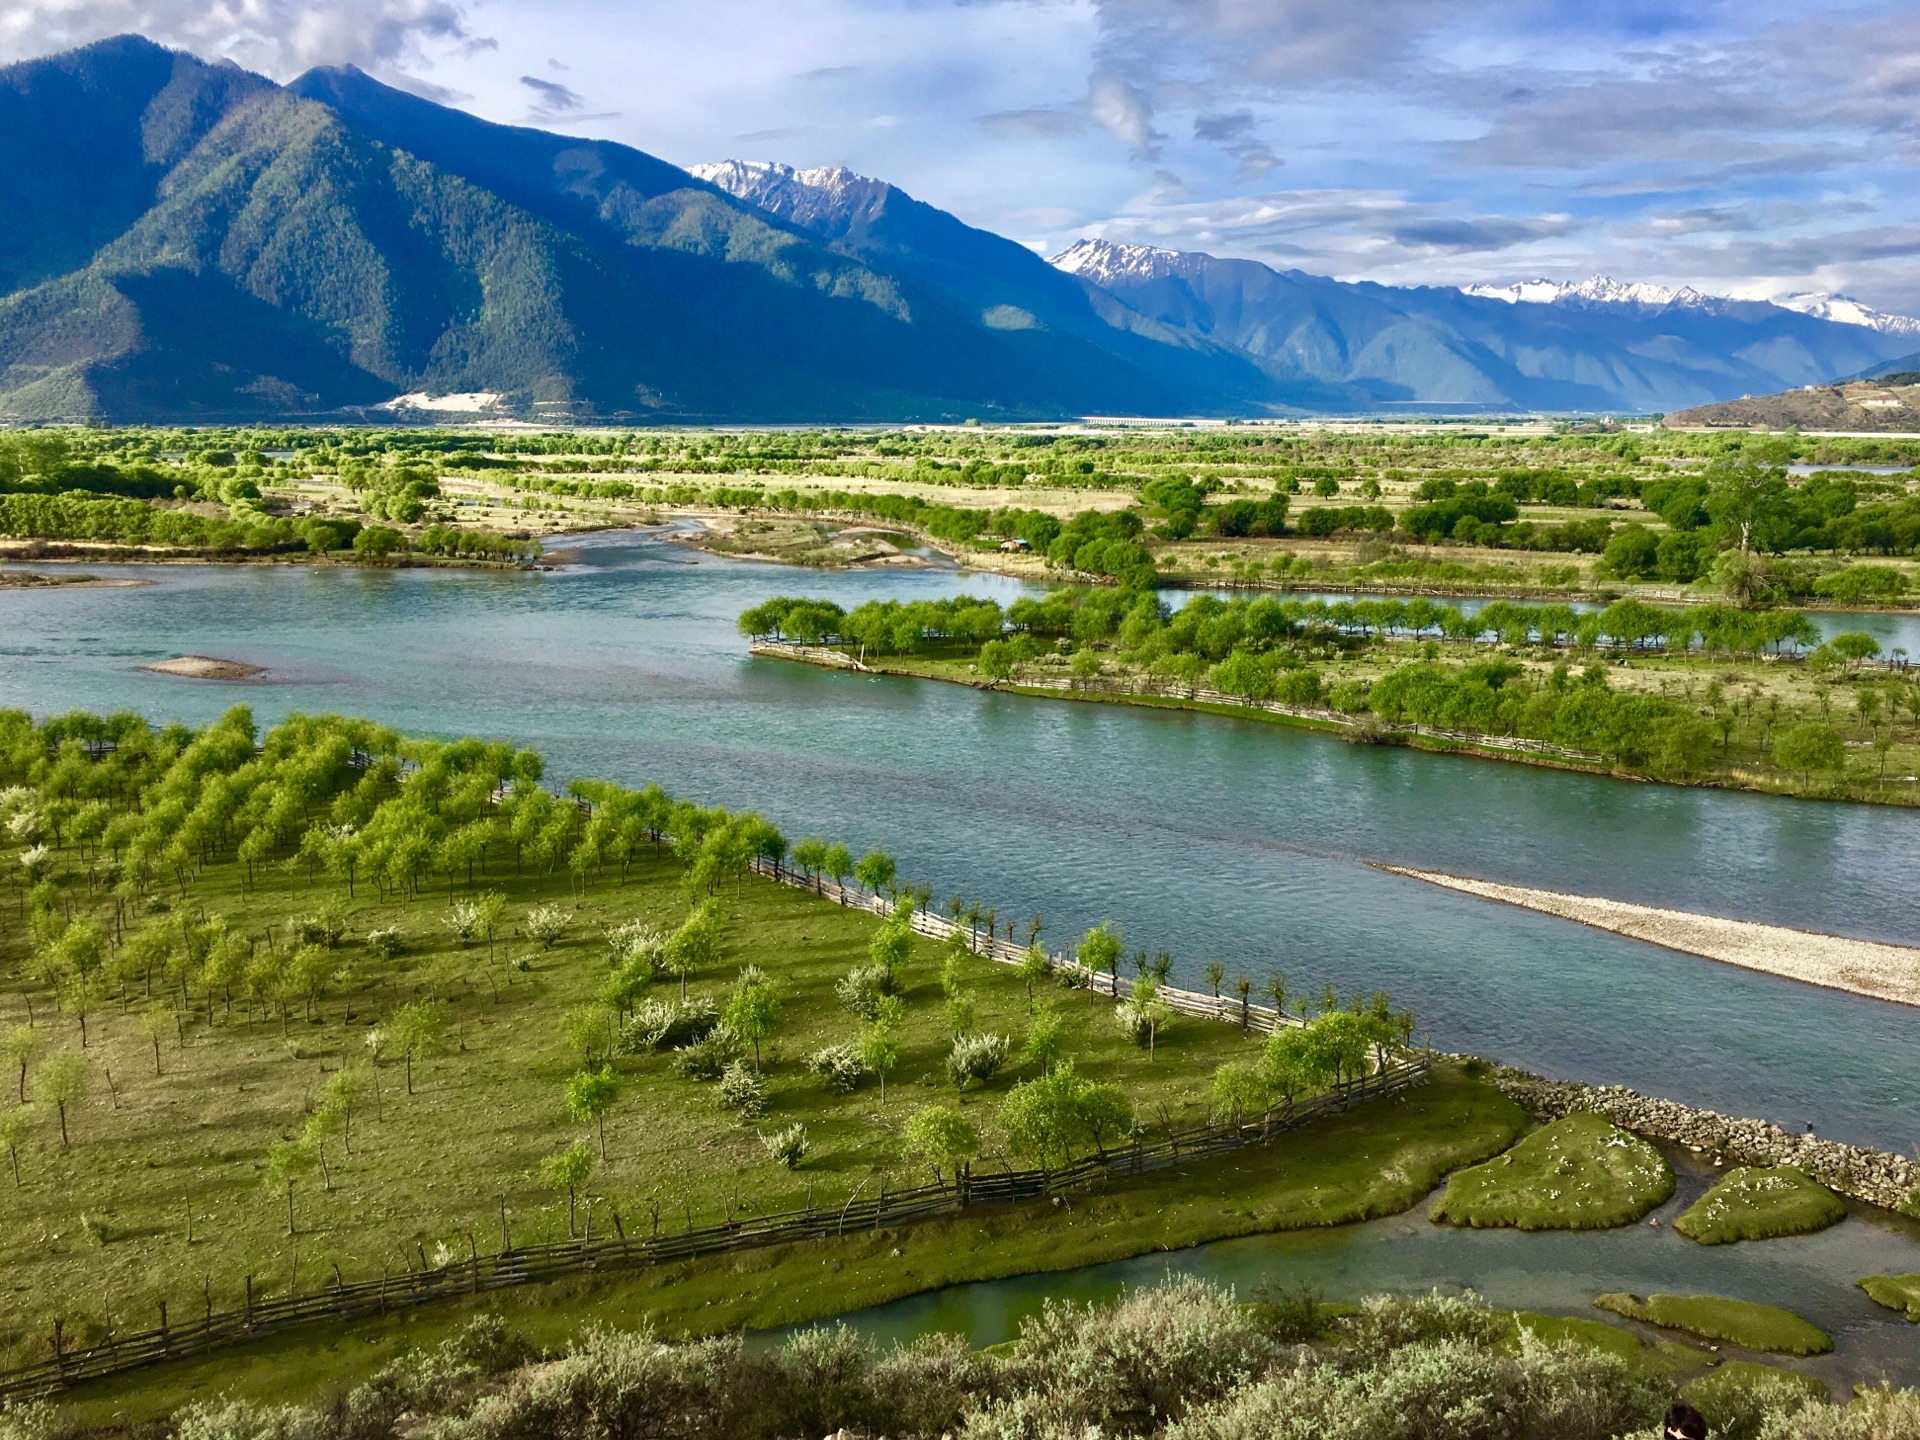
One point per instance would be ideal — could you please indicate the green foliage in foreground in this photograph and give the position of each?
(1177, 1361)
(1579, 1173)
(1745, 1323)
(1740, 1397)
(1753, 1203)
(1896, 1292)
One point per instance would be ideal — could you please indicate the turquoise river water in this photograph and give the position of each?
(1204, 836)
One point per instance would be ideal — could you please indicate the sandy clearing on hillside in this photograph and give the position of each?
(1865, 967)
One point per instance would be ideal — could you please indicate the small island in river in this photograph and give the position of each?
(206, 667)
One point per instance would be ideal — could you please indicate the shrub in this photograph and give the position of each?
(788, 1146)
(668, 1025)
(326, 927)
(861, 989)
(386, 944)
(743, 1089)
(977, 1057)
(706, 1058)
(545, 925)
(840, 1066)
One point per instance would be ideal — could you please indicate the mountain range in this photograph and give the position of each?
(189, 242)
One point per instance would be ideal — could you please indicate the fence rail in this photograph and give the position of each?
(532, 1265)
(1263, 1018)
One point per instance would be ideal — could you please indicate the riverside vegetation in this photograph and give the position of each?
(1181, 1361)
(1709, 695)
(1568, 509)
(286, 1009)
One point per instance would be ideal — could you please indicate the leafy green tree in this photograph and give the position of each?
(418, 1030)
(1034, 967)
(753, 1010)
(156, 1023)
(891, 948)
(340, 1096)
(1810, 746)
(1857, 646)
(879, 1044)
(838, 864)
(810, 854)
(22, 1046)
(585, 1028)
(1750, 505)
(876, 871)
(1048, 1119)
(569, 1171)
(289, 1162)
(695, 945)
(1240, 1089)
(16, 1129)
(590, 1094)
(1046, 1037)
(1099, 951)
(943, 1139)
(63, 1080)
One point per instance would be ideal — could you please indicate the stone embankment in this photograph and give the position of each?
(1874, 1176)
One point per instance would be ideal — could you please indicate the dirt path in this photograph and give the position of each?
(1865, 967)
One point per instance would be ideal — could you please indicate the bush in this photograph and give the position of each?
(326, 927)
(545, 925)
(668, 1025)
(386, 944)
(861, 989)
(840, 1066)
(742, 1088)
(788, 1146)
(977, 1057)
(708, 1057)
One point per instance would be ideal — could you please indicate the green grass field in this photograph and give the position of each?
(1761, 1204)
(1738, 1322)
(105, 1224)
(1373, 1161)
(1579, 1173)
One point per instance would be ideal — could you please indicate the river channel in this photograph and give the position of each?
(1207, 837)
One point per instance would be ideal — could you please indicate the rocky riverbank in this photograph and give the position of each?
(1875, 1176)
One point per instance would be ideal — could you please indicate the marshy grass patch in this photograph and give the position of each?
(1746, 1323)
(1579, 1173)
(1896, 1292)
(1761, 1203)
(1660, 1357)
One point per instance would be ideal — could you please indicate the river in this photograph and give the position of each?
(1207, 837)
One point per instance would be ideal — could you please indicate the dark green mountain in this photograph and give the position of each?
(225, 248)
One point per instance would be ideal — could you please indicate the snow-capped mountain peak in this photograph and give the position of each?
(1603, 290)
(1845, 310)
(793, 194)
(1102, 261)
(1599, 290)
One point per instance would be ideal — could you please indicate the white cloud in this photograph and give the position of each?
(277, 37)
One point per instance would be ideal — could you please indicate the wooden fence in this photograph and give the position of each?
(532, 1265)
(1263, 1018)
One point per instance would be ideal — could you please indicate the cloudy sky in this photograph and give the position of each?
(1745, 146)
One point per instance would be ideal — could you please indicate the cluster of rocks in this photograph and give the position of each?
(1879, 1178)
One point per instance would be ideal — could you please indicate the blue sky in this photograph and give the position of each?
(1747, 148)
